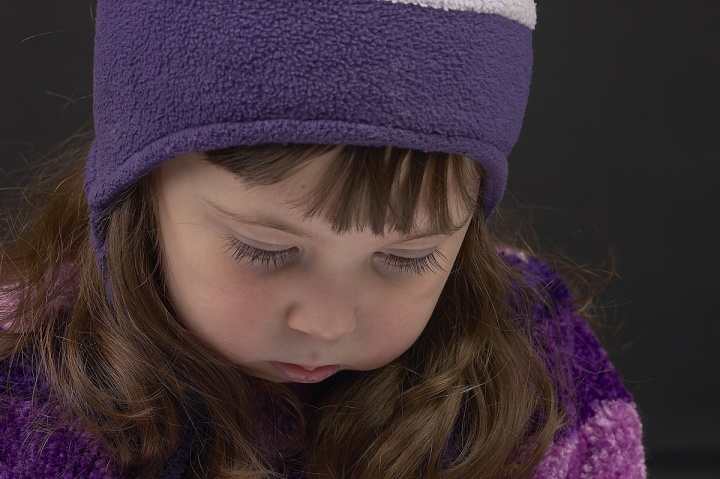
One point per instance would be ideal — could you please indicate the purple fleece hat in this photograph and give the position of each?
(174, 76)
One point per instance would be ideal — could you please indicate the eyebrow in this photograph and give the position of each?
(280, 226)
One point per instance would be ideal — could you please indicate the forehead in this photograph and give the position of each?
(349, 192)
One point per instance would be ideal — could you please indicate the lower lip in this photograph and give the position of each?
(299, 374)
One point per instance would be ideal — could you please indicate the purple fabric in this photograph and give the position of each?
(176, 76)
(603, 438)
(589, 375)
(35, 443)
(606, 445)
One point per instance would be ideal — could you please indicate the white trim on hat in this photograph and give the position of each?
(522, 11)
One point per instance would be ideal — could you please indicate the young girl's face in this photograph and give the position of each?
(281, 295)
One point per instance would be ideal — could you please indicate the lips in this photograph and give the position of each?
(305, 374)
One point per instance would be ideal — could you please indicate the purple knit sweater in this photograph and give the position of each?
(602, 439)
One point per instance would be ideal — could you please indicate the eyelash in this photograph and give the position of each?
(276, 259)
(414, 266)
(256, 256)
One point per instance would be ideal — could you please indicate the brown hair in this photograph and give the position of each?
(471, 398)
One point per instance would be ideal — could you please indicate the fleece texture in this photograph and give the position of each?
(172, 77)
(602, 439)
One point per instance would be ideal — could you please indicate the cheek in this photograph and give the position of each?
(239, 326)
(396, 321)
(219, 302)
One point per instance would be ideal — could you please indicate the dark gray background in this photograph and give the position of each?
(620, 146)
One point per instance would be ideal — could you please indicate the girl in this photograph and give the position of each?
(274, 260)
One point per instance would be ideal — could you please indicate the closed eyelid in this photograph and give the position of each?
(411, 253)
(419, 265)
(273, 247)
(399, 264)
(241, 250)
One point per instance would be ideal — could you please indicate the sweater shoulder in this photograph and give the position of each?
(607, 443)
(603, 434)
(35, 441)
(566, 342)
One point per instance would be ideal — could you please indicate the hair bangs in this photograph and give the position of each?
(386, 189)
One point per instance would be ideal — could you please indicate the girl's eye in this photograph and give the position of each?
(398, 265)
(259, 257)
(415, 266)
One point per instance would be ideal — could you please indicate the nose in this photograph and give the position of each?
(326, 312)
